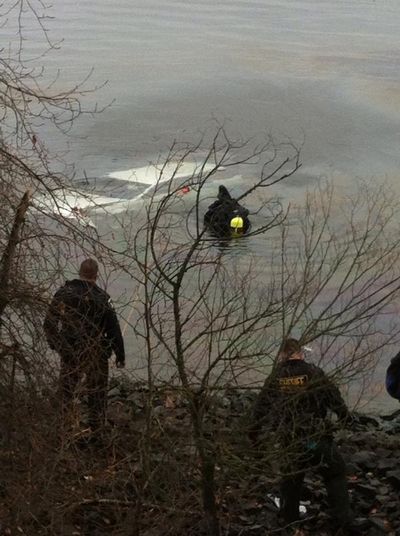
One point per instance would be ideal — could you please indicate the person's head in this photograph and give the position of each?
(291, 349)
(88, 270)
(223, 194)
(236, 226)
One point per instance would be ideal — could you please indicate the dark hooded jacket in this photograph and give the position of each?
(81, 318)
(220, 213)
(392, 379)
(295, 400)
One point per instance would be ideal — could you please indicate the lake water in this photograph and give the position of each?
(324, 73)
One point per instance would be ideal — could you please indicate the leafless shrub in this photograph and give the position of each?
(329, 274)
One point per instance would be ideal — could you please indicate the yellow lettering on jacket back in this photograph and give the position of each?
(292, 382)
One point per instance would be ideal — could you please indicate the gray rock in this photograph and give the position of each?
(369, 492)
(114, 392)
(365, 459)
(386, 464)
(393, 477)
(368, 420)
(383, 490)
(159, 410)
(378, 524)
(392, 506)
(353, 469)
(136, 400)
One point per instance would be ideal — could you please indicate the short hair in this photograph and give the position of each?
(88, 269)
(290, 347)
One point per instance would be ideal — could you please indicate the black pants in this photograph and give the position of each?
(327, 460)
(95, 366)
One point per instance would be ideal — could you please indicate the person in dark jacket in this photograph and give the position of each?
(293, 403)
(225, 217)
(82, 327)
(392, 379)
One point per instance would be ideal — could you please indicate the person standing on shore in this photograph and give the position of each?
(392, 379)
(82, 327)
(293, 404)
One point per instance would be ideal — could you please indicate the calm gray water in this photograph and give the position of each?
(325, 73)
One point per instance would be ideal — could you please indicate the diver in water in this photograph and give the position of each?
(225, 217)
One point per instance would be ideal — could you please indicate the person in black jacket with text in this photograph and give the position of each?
(293, 404)
(82, 326)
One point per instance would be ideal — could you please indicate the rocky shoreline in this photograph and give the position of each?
(370, 449)
(144, 478)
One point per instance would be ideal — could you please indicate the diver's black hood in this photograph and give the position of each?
(223, 194)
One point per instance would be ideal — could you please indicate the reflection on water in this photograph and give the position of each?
(232, 246)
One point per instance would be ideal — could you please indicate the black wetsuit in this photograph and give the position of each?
(82, 326)
(220, 213)
(293, 404)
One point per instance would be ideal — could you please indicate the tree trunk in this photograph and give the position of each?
(9, 252)
(207, 467)
(208, 493)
